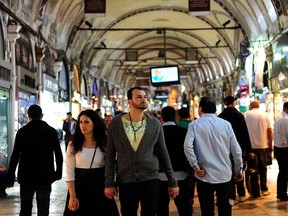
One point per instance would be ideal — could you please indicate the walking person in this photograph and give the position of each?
(85, 161)
(36, 145)
(281, 152)
(138, 141)
(179, 163)
(69, 125)
(237, 121)
(261, 136)
(208, 144)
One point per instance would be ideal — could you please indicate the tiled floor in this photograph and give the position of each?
(267, 205)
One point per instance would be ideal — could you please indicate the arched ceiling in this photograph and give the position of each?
(100, 43)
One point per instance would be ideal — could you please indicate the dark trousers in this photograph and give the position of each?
(182, 201)
(281, 155)
(206, 198)
(144, 192)
(42, 198)
(261, 167)
(3, 181)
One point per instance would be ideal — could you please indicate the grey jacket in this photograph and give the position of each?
(141, 165)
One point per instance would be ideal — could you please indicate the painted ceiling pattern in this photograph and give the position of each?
(161, 32)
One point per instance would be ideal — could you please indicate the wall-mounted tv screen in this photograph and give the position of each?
(164, 76)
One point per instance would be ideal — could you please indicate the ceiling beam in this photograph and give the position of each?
(160, 48)
(157, 29)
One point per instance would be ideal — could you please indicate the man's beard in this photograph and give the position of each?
(142, 106)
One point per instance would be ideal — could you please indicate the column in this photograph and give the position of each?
(13, 35)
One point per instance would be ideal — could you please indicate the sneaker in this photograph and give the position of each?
(242, 198)
(231, 202)
(265, 193)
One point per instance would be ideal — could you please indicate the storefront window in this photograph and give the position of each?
(4, 99)
(25, 100)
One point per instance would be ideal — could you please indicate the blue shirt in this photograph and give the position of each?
(213, 140)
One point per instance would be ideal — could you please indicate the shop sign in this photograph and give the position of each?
(5, 74)
(63, 95)
(5, 71)
(27, 80)
(199, 7)
(50, 84)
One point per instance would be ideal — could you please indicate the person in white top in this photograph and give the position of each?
(281, 152)
(85, 169)
(261, 135)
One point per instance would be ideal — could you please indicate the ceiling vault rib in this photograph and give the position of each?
(158, 48)
(157, 29)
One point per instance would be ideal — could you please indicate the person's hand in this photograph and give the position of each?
(238, 177)
(2, 168)
(73, 204)
(199, 172)
(251, 155)
(111, 192)
(173, 191)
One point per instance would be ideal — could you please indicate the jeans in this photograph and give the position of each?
(206, 198)
(281, 155)
(146, 193)
(42, 198)
(261, 167)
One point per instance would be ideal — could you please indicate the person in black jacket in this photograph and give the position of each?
(174, 139)
(35, 146)
(237, 121)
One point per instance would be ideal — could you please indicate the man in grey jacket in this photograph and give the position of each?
(138, 141)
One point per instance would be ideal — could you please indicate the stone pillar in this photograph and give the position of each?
(13, 35)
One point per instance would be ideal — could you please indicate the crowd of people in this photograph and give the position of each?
(149, 159)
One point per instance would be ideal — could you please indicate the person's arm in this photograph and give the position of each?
(58, 156)
(270, 139)
(14, 160)
(237, 154)
(110, 190)
(73, 204)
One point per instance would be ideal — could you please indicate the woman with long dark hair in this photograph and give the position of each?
(85, 161)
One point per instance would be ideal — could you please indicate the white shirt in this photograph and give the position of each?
(258, 123)
(281, 131)
(82, 159)
(208, 144)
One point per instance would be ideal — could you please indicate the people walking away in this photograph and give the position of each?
(261, 136)
(281, 152)
(237, 121)
(208, 144)
(69, 125)
(138, 141)
(35, 148)
(179, 163)
(183, 116)
(85, 161)
(183, 120)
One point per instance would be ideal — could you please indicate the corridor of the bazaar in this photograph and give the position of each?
(132, 63)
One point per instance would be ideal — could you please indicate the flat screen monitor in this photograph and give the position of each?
(164, 75)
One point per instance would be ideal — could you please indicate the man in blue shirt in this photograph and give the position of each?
(208, 144)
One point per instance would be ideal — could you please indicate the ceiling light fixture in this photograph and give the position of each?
(217, 43)
(88, 24)
(103, 44)
(226, 23)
